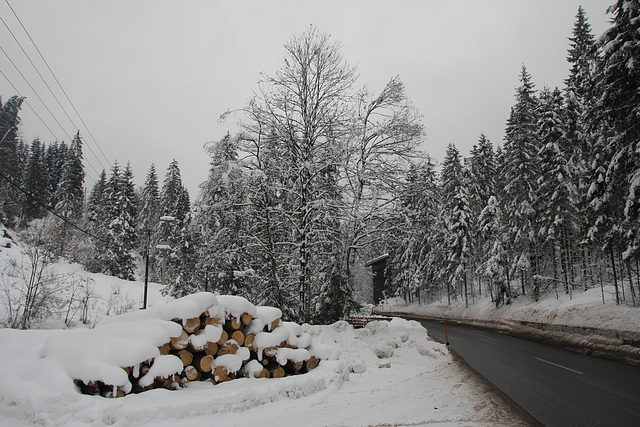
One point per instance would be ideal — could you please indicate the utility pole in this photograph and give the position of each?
(146, 270)
(163, 245)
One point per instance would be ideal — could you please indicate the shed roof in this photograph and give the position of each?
(378, 259)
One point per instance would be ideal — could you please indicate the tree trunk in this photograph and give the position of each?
(615, 275)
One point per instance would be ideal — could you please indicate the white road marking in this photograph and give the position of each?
(487, 341)
(559, 366)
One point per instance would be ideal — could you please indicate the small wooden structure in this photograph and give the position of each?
(378, 266)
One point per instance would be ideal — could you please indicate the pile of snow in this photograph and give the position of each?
(385, 373)
(581, 310)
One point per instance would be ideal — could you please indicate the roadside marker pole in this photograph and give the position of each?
(446, 336)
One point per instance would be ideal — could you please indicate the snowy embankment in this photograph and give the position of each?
(386, 373)
(580, 322)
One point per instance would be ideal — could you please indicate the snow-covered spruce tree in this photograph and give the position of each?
(414, 266)
(220, 221)
(70, 193)
(303, 111)
(175, 203)
(120, 226)
(613, 118)
(558, 223)
(520, 171)
(451, 181)
(578, 97)
(482, 167)
(95, 222)
(148, 220)
(9, 195)
(57, 155)
(494, 262)
(35, 183)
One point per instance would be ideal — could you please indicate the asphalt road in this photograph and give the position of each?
(555, 386)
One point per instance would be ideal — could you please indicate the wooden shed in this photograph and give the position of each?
(378, 266)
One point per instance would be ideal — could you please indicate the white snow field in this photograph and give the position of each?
(388, 373)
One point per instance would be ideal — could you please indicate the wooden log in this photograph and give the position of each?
(293, 368)
(312, 363)
(264, 373)
(181, 342)
(186, 356)
(208, 320)
(274, 325)
(165, 348)
(110, 391)
(211, 349)
(223, 338)
(200, 340)
(238, 337)
(191, 325)
(227, 348)
(248, 341)
(220, 374)
(191, 373)
(91, 388)
(277, 371)
(233, 324)
(203, 363)
(246, 319)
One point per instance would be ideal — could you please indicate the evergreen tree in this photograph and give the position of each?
(617, 106)
(70, 191)
(57, 156)
(519, 174)
(414, 263)
(582, 56)
(174, 203)
(35, 183)
(220, 221)
(557, 191)
(116, 256)
(493, 255)
(148, 219)
(9, 196)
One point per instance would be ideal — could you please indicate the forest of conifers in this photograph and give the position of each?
(323, 176)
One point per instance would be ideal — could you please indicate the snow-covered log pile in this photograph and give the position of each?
(201, 337)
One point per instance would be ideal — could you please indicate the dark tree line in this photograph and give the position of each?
(555, 209)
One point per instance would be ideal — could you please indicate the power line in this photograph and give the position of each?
(59, 84)
(42, 101)
(35, 199)
(45, 83)
(29, 105)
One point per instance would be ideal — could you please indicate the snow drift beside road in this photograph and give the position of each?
(388, 372)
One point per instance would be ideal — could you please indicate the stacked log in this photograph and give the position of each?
(218, 346)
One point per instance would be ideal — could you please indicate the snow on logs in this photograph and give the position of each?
(201, 337)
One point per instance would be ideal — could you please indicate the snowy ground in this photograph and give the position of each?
(388, 373)
(581, 309)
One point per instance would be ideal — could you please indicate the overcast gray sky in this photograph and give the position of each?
(151, 78)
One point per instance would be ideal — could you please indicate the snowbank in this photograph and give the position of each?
(413, 379)
(580, 321)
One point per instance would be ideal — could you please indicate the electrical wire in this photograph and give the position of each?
(46, 84)
(43, 103)
(59, 84)
(29, 105)
(35, 199)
